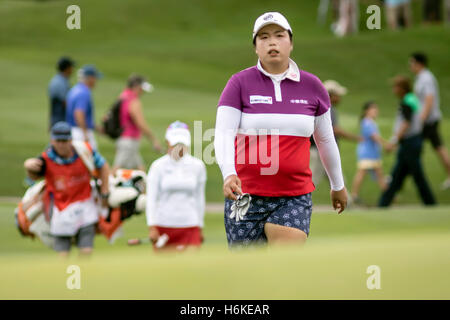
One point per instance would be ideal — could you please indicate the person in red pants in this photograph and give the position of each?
(176, 194)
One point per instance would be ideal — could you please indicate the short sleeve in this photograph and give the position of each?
(323, 99)
(368, 129)
(99, 161)
(231, 94)
(407, 111)
(57, 90)
(82, 102)
(428, 87)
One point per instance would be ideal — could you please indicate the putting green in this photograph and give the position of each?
(410, 247)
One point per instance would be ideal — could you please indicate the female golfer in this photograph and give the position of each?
(176, 194)
(265, 117)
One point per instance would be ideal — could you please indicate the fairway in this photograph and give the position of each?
(410, 247)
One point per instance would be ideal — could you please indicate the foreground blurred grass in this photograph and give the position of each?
(410, 246)
(189, 50)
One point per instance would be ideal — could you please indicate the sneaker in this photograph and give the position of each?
(446, 184)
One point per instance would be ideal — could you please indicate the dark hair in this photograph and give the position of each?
(420, 57)
(64, 63)
(290, 37)
(366, 106)
(135, 80)
(402, 82)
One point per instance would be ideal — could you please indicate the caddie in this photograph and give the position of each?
(69, 203)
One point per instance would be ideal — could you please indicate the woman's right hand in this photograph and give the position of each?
(153, 234)
(232, 185)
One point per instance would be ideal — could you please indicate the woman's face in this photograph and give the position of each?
(273, 45)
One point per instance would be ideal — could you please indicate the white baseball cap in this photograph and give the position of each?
(178, 132)
(333, 86)
(270, 18)
(147, 86)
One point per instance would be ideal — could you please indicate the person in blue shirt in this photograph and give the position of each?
(80, 106)
(369, 150)
(58, 88)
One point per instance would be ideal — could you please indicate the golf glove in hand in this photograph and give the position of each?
(240, 206)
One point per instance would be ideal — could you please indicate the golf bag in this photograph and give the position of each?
(126, 198)
(29, 215)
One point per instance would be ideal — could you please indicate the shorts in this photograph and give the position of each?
(181, 237)
(430, 131)
(78, 135)
(292, 212)
(127, 154)
(84, 239)
(369, 164)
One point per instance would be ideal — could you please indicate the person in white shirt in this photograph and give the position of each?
(176, 193)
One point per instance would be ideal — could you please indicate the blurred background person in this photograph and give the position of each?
(447, 11)
(322, 11)
(80, 106)
(398, 13)
(58, 88)
(335, 92)
(71, 208)
(369, 150)
(426, 89)
(133, 123)
(176, 193)
(348, 22)
(432, 11)
(408, 137)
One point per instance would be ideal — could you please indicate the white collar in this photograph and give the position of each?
(293, 73)
(422, 72)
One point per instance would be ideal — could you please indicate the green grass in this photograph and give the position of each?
(189, 50)
(410, 246)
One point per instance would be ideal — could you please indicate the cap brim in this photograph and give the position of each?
(97, 75)
(342, 91)
(147, 86)
(61, 137)
(255, 32)
(179, 139)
